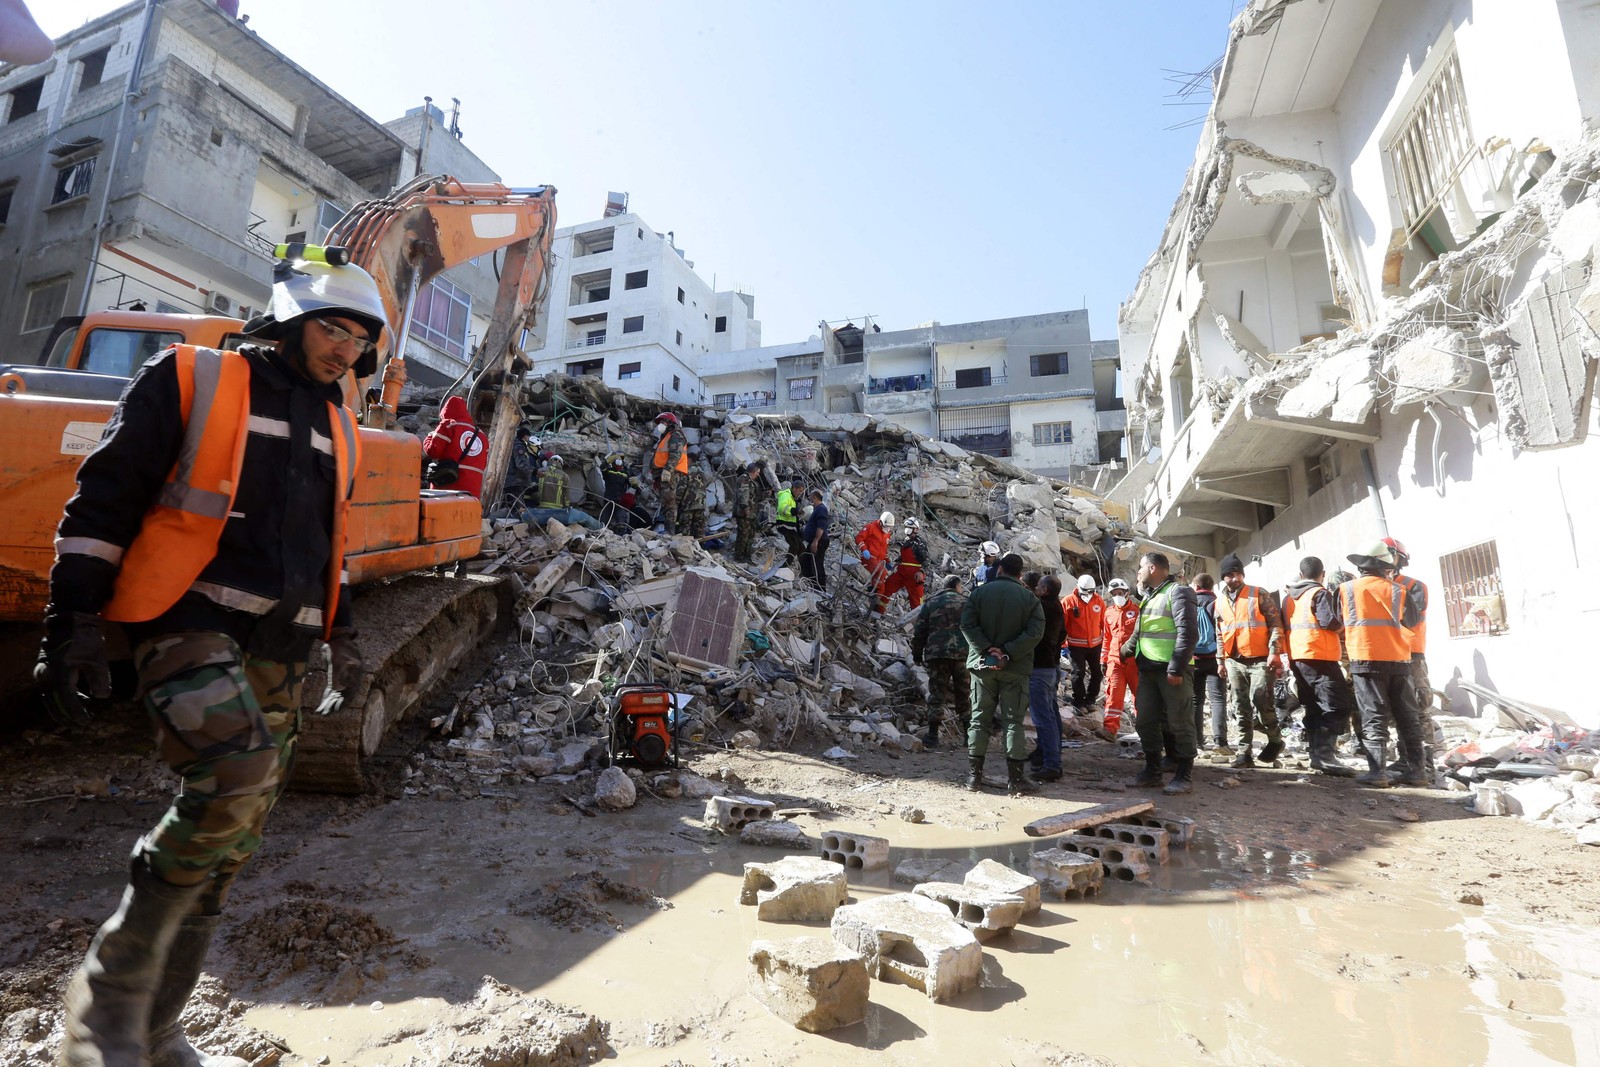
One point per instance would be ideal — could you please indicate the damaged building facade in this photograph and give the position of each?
(1034, 389)
(1373, 312)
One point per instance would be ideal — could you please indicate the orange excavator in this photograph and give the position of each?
(415, 624)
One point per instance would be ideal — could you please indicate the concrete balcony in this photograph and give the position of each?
(1112, 421)
(585, 342)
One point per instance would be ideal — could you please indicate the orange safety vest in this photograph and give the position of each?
(1419, 632)
(1241, 628)
(1372, 609)
(1307, 639)
(179, 534)
(663, 456)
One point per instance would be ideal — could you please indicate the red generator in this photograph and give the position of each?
(644, 726)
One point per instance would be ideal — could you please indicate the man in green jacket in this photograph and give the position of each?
(1002, 622)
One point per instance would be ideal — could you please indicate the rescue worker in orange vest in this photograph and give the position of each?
(908, 570)
(1379, 615)
(1419, 641)
(210, 523)
(873, 542)
(1312, 617)
(1250, 642)
(1085, 616)
(670, 463)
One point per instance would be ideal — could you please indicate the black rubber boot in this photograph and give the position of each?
(1182, 779)
(1272, 749)
(1325, 757)
(1150, 777)
(169, 1046)
(1017, 781)
(931, 738)
(1049, 774)
(108, 1003)
(1377, 776)
(975, 773)
(1313, 753)
(1414, 770)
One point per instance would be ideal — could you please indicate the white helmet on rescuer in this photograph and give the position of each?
(1086, 583)
(887, 518)
(989, 548)
(911, 523)
(306, 288)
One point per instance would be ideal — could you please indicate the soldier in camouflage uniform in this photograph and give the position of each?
(692, 500)
(747, 497)
(937, 644)
(220, 647)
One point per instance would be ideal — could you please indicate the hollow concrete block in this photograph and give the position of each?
(1179, 828)
(811, 983)
(856, 851)
(913, 940)
(983, 911)
(1124, 863)
(1152, 840)
(729, 814)
(1067, 874)
(997, 877)
(794, 889)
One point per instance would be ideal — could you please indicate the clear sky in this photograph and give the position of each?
(909, 160)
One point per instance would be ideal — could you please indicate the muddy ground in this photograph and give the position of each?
(1310, 922)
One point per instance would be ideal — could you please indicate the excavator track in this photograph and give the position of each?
(411, 631)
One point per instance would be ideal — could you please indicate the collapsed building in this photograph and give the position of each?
(1373, 312)
(760, 653)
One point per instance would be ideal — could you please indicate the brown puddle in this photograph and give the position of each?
(1241, 954)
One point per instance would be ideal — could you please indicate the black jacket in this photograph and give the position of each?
(276, 542)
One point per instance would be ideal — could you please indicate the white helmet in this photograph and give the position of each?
(1086, 583)
(887, 518)
(1116, 585)
(911, 523)
(989, 548)
(555, 461)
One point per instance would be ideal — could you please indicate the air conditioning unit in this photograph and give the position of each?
(219, 303)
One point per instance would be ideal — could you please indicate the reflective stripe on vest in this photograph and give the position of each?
(664, 456)
(1419, 632)
(1241, 628)
(1158, 629)
(1307, 639)
(1372, 608)
(179, 533)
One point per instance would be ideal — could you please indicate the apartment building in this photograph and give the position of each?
(1374, 312)
(627, 306)
(1033, 388)
(158, 157)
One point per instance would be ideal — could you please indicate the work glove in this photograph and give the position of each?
(73, 665)
(344, 669)
(866, 556)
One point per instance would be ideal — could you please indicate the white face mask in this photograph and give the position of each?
(1086, 593)
(661, 428)
(1119, 600)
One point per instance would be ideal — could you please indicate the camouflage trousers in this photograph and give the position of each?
(744, 538)
(692, 520)
(949, 688)
(226, 723)
(668, 495)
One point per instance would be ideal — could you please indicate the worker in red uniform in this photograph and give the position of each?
(873, 542)
(911, 562)
(1085, 616)
(1379, 615)
(1121, 672)
(456, 450)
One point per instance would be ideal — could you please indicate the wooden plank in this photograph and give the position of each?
(1084, 818)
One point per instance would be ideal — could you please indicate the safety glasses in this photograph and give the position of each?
(339, 336)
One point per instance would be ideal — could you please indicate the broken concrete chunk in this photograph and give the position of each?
(856, 851)
(570, 759)
(697, 788)
(794, 889)
(811, 983)
(1067, 874)
(731, 813)
(997, 877)
(1086, 817)
(775, 833)
(983, 911)
(921, 869)
(614, 790)
(913, 940)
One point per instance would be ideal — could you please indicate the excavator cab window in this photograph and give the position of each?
(119, 352)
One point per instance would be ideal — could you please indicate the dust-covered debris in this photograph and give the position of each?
(506, 1028)
(339, 950)
(579, 902)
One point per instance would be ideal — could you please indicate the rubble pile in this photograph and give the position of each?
(1541, 772)
(757, 655)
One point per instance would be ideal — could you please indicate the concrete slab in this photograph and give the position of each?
(920, 869)
(983, 911)
(811, 983)
(856, 851)
(794, 889)
(1083, 818)
(997, 877)
(913, 940)
(1067, 874)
